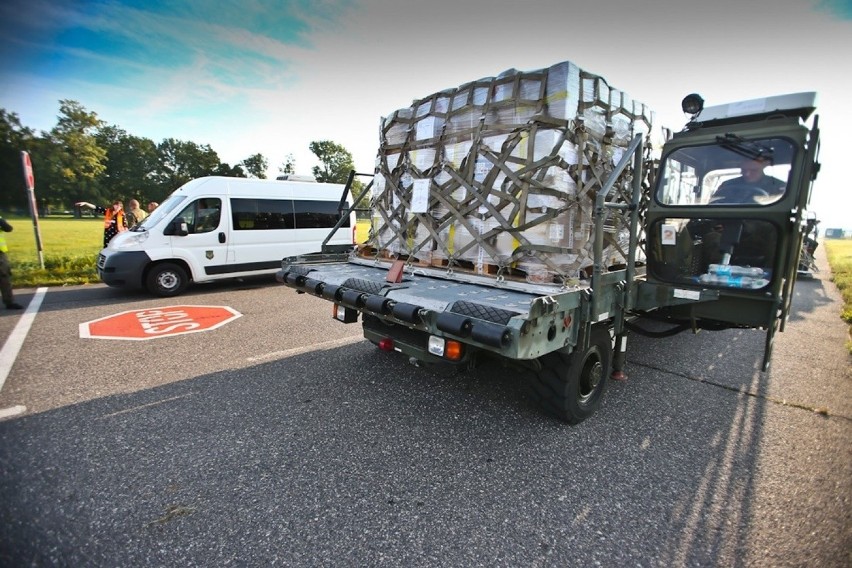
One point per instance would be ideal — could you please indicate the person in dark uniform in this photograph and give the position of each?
(752, 186)
(6, 270)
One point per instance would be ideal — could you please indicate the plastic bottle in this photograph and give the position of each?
(748, 282)
(733, 270)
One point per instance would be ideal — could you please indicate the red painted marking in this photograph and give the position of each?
(150, 323)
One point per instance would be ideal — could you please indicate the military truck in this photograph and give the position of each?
(707, 244)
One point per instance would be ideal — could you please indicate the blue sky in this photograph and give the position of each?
(270, 77)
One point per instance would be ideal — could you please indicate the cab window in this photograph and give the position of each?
(202, 215)
(732, 171)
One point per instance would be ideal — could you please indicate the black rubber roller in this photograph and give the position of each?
(378, 304)
(456, 324)
(406, 312)
(313, 286)
(353, 298)
(329, 292)
(491, 334)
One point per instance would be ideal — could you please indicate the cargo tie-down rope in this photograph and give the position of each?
(500, 175)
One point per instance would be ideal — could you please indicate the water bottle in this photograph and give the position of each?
(733, 270)
(748, 282)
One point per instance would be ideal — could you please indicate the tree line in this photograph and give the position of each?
(84, 159)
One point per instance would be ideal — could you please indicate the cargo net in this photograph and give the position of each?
(499, 176)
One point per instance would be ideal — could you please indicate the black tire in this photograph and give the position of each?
(166, 280)
(570, 385)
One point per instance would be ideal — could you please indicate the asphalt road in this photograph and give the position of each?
(285, 439)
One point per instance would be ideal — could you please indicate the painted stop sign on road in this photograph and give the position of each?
(151, 323)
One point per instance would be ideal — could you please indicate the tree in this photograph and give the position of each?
(255, 166)
(182, 161)
(13, 139)
(70, 156)
(337, 164)
(228, 171)
(288, 166)
(131, 166)
(335, 159)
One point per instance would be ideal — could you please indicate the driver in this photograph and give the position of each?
(751, 183)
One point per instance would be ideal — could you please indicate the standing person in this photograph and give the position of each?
(115, 221)
(135, 214)
(6, 269)
(151, 206)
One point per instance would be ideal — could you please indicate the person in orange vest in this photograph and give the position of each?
(115, 220)
(6, 270)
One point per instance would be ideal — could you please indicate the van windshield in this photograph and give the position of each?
(163, 210)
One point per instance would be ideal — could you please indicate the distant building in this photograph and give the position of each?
(833, 233)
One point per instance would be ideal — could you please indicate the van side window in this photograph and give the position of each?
(262, 214)
(203, 215)
(317, 214)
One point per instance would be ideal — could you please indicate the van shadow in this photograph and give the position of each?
(60, 298)
(355, 453)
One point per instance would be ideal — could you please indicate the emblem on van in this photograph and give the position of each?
(209, 255)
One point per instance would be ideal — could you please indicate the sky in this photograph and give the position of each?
(269, 77)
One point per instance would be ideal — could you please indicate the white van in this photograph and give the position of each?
(219, 227)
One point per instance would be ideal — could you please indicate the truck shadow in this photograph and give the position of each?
(325, 448)
(808, 295)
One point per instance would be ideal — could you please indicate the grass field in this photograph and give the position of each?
(69, 246)
(840, 258)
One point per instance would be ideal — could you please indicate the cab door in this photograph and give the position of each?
(712, 224)
(206, 246)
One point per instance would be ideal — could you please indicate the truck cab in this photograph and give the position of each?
(727, 214)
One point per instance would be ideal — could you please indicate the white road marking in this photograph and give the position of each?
(306, 349)
(148, 405)
(16, 339)
(12, 411)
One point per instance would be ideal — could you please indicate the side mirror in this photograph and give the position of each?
(177, 227)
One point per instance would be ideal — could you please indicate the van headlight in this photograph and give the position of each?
(128, 239)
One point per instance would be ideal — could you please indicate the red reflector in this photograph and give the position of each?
(386, 344)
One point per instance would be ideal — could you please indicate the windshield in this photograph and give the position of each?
(731, 171)
(162, 211)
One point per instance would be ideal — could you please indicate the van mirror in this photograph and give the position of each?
(177, 227)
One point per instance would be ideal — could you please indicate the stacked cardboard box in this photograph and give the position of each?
(499, 176)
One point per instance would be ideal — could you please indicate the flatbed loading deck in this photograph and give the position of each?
(513, 319)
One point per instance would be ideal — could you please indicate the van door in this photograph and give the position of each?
(206, 247)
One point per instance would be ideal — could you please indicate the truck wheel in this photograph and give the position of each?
(570, 385)
(166, 280)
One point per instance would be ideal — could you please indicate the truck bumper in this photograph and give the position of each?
(123, 269)
(410, 342)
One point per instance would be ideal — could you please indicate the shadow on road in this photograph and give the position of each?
(353, 457)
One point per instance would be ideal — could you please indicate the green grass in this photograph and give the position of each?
(840, 258)
(69, 246)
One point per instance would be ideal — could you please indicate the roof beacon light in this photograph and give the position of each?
(692, 104)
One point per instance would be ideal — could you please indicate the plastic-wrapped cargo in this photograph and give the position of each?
(499, 176)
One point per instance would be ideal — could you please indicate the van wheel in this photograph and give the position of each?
(166, 280)
(570, 385)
